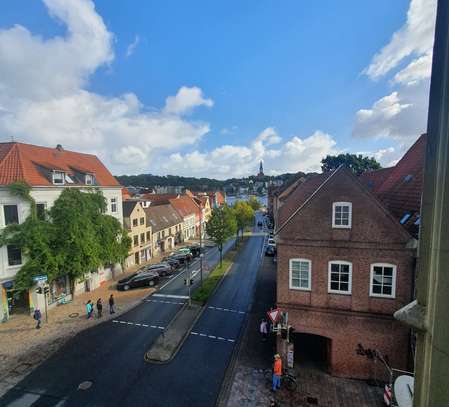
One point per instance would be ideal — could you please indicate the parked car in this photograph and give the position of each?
(160, 268)
(271, 242)
(174, 263)
(260, 224)
(184, 250)
(182, 258)
(195, 250)
(270, 251)
(147, 279)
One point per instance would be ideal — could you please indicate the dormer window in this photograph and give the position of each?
(89, 179)
(342, 215)
(58, 178)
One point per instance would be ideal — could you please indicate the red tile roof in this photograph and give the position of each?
(159, 199)
(25, 162)
(374, 179)
(185, 206)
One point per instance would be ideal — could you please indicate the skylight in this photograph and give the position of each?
(408, 178)
(418, 221)
(405, 218)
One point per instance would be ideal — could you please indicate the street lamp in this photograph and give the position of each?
(201, 244)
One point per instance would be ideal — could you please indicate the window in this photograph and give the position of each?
(163, 234)
(405, 218)
(148, 236)
(158, 235)
(135, 222)
(113, 205)
(142, 238)
(300, 274)
(136, 240)
(11, 214)
(142, 221)
(340, 277)
(342, 215)
(383, 280)
(89, 179)
(40, 210)
(14, 255)
(58, 178)
(169, 231)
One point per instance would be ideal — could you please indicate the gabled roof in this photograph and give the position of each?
(373, 180)
(185, 205)
(161, 217)
(128, 207)
(29, 163)
(159, 199)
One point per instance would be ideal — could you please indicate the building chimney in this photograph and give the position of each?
(59, 147)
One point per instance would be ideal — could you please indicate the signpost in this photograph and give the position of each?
(274, 315)
(41, 282)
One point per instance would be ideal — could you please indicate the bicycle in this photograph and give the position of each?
(288, 380)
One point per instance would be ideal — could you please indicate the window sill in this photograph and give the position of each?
(300, 289)
(341, 227)
(340, 293)
(383, 297)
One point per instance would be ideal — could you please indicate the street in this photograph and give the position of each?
(109, 357)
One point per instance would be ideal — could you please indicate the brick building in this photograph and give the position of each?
(346, 261)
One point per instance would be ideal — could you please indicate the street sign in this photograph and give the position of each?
(274, 315)
(39, 278)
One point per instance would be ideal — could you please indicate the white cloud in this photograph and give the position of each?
(297, 154)
(132, 47)
(402, 114)
(186, 100)
(44, 100)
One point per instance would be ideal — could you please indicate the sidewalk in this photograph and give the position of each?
(246, 385)
(22, 346)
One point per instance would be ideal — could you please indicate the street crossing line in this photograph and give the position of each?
(116, 321)
(218, 338)
(166, 302)
(182, 297)
(227, 310)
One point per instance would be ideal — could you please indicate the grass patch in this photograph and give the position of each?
(201, 295)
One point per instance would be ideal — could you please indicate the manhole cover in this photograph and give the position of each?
(312, 400)
(85, 385)
(74, 315)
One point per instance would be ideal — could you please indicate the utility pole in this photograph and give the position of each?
(189, 281)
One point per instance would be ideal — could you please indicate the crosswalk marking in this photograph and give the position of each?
(183, 297)
(116, 321)
(166, 302)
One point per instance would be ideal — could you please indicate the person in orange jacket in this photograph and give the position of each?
(277, 372)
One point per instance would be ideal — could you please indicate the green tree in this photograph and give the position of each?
(244, 215)
(254, 203)
(358, 164)
(221, 226)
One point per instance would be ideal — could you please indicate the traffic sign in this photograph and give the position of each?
(39, 278)
(274, 315)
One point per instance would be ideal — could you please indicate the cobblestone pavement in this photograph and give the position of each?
(22, 346)
(248, 386)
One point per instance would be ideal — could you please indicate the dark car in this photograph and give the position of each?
(174, 263)
(195, 250)
(270, 250)
(138, 280)
(181, 258)
(162, 269)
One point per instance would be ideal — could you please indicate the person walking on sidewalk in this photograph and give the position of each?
(111, 304)
(99, 307)
(277, 372)
(264, 329)
(89, 309)
(37, 316)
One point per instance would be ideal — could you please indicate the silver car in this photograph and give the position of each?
(163, 269)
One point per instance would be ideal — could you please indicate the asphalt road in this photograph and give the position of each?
(110, 355)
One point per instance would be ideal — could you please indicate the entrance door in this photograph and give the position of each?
(136, 258)
(18, 302)
(312, 350)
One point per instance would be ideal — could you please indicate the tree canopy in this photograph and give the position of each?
(254, 203)
(221, 226)
(358, 164)
(244, 215)
(76, 237)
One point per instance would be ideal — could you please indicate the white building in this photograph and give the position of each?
(48, 171)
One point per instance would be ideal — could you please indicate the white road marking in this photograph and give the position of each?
(194, 273)
(165, 302)
(219, 338)
(183, 297)
(227, 310)
(177, 275)
(138, 324)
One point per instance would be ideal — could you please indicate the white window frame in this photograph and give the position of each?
(114, 202)
(329, 289)
(63, 177)
(309, 287)
(349, 225)
(89, 179)
(393, 282)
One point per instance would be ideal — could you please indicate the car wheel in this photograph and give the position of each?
(151, 283)
(126, 287)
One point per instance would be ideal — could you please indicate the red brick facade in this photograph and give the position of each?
(356, 317)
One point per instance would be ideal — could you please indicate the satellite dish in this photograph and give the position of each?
(403, 390)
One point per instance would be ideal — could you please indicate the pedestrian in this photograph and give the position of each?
(89, 309)
(277, 372)
(111, 304)
(264, 329)
(37, 316)
(99, 307)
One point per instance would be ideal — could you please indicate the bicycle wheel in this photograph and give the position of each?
(290, 383)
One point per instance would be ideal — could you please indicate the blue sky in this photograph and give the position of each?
(286, 83)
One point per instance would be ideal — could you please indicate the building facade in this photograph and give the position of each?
(48, 171)
(345, 265)
(188, 210)
(136, 223)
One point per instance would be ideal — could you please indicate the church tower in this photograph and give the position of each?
(261, 174)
